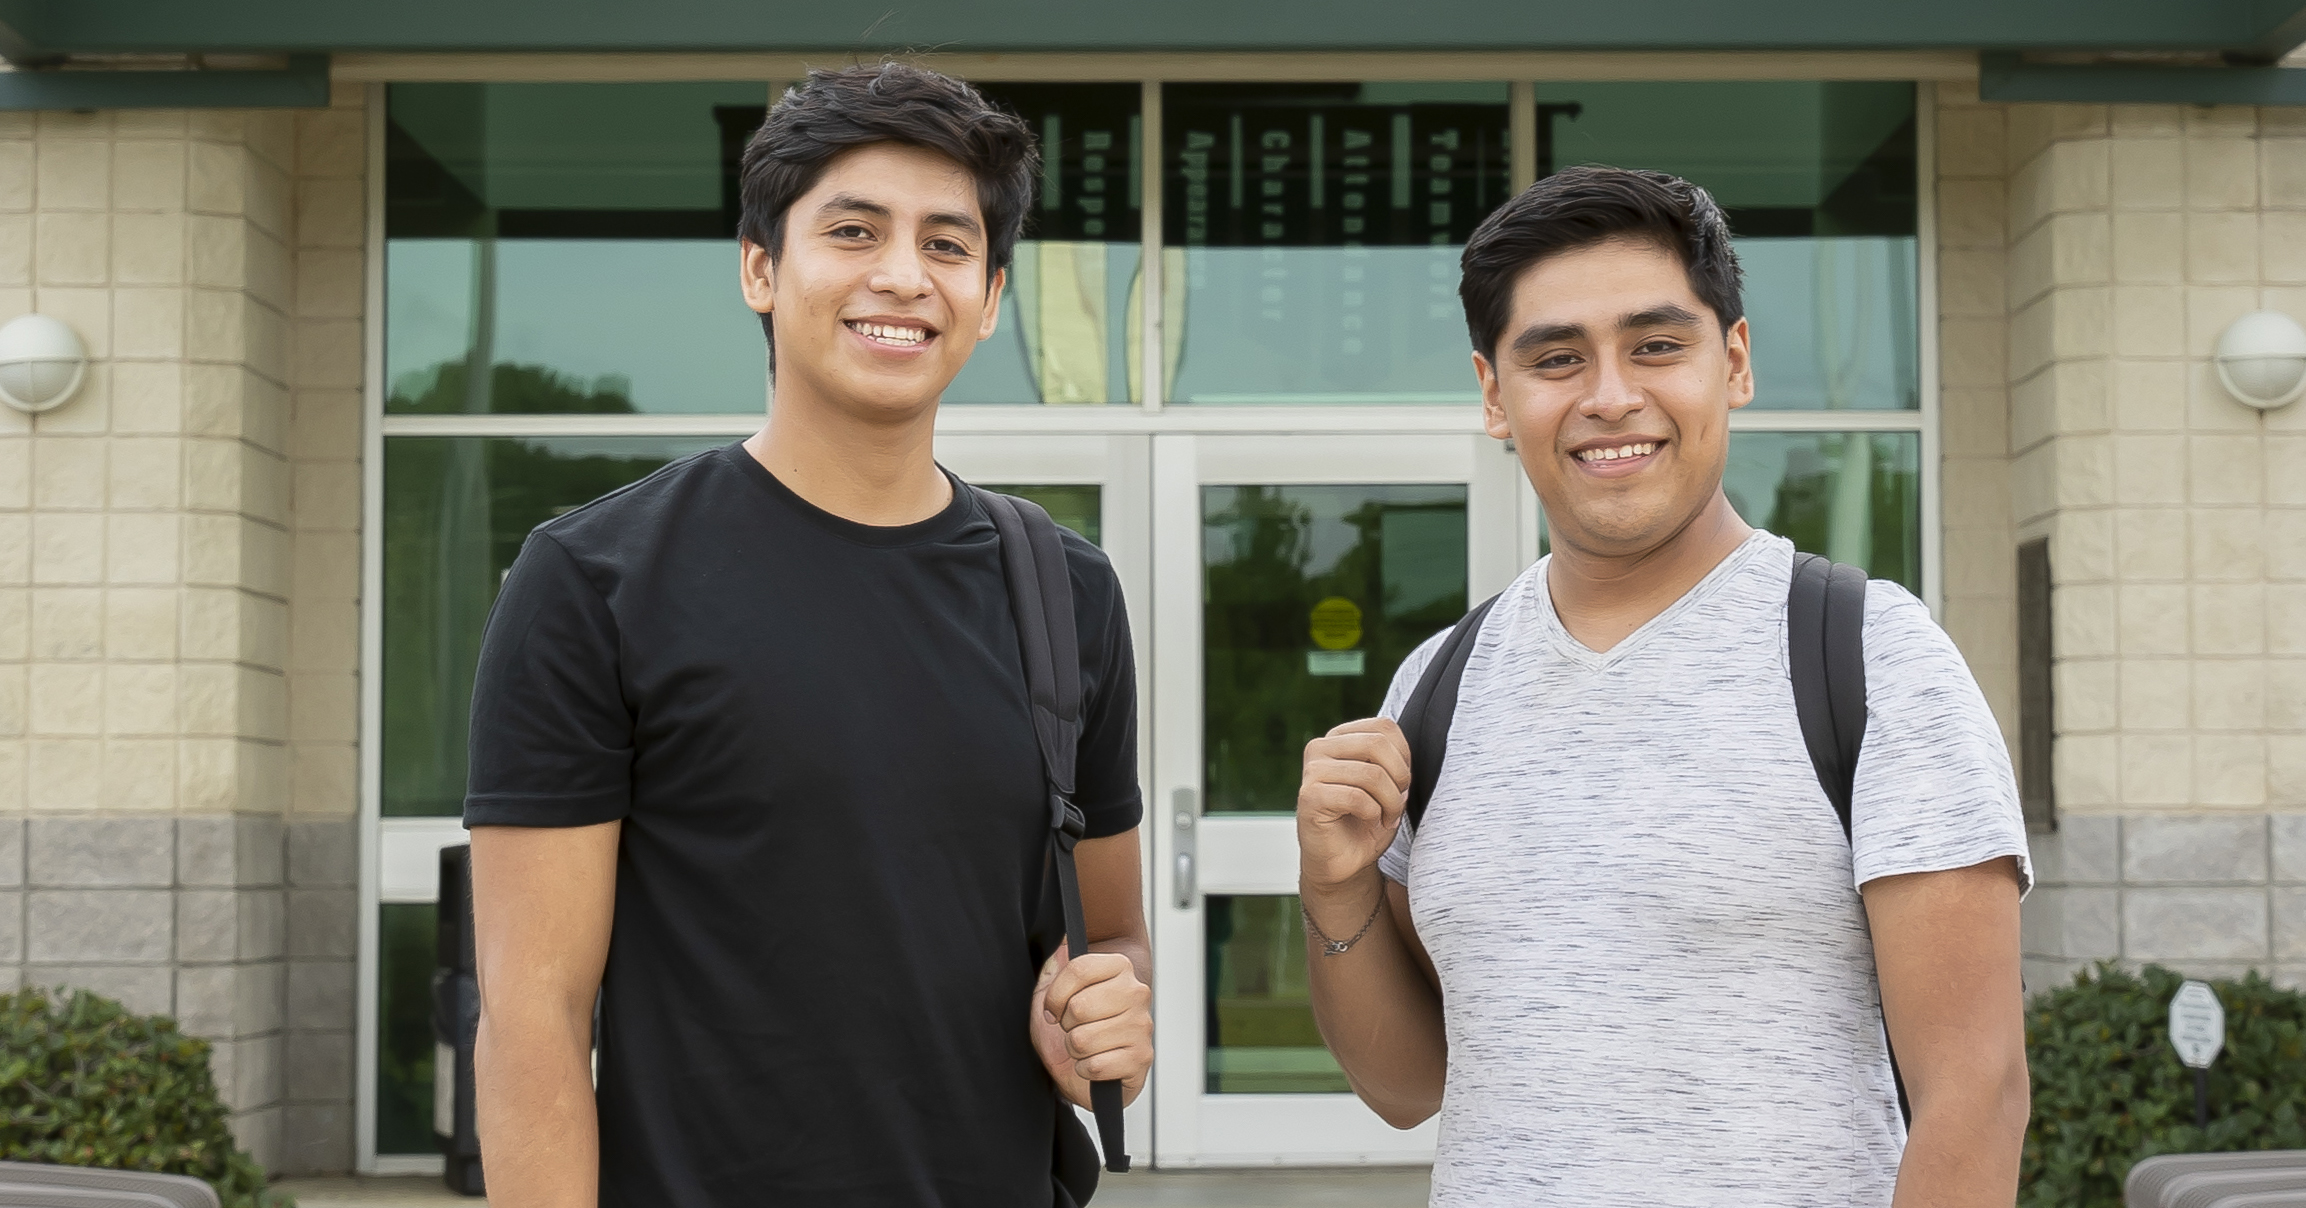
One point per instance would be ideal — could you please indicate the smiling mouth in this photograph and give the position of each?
(1616, 452)
(891, 334)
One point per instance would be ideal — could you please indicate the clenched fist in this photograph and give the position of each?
(1350, 802)
(1093, 1022)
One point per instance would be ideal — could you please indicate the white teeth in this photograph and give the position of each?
(1639, 450)
(887, 334)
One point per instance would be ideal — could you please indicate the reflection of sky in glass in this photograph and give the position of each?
(1320, 325)
(1832, 322)
(664, 315)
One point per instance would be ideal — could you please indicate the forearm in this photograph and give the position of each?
(1377, 1012)
(1965, 1143)
(539, 1130)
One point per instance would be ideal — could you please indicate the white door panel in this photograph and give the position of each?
(1223, 902)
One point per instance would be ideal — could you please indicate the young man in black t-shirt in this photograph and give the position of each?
(752, 756)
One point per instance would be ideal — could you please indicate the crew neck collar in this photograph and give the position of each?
(957, 514)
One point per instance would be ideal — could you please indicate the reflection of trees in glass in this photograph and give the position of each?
(1077, 506)
(455, 513)
(1270, 554)
(1855, 511)
(404, 1033)
(1258, 999)
(510, 389)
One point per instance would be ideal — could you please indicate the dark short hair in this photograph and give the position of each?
(836, 111)
(1579, 207)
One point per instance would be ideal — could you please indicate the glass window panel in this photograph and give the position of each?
(1311, 238)
(568, 248)
(1069, 318)
(1311, 596)
(1077, 506)
(1262, 1038)
(406, 942)
(1818, 181)
(456, 510)
(1855, 497)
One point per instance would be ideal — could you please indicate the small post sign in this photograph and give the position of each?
(2198, 1032)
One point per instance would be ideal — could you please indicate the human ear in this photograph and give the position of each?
(991, 319)
(1493, 418)
(1738, 341)
(757, 276)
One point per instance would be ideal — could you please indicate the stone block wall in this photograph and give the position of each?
(1980, 594)
(324, 448)
(2176, 516)
(167, 834)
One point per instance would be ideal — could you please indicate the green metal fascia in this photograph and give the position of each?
(302, 85)
(975, 26)
(2003, 77)
(2284, 31)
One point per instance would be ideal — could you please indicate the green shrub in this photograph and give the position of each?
(85, 1083)
(2109, 1090)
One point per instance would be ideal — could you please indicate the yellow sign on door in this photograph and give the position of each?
(1337, 624)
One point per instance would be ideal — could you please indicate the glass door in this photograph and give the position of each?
(1294, 573)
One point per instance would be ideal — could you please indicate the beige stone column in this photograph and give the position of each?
(2177, 522)
(148, 554)
(1981, 593)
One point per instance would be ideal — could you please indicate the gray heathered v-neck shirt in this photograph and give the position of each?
(1656, 976)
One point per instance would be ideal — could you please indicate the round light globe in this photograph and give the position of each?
(2262, 359)
(41, 363)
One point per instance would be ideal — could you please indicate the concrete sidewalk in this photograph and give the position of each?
(1375, 1187)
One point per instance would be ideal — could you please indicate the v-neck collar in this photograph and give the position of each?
(1586, 656)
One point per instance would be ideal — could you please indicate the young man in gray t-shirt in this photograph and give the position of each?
(1629, 955)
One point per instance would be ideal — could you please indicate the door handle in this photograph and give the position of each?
(1186, 818)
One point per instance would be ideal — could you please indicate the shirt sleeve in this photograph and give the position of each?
(1394, 864)
(552, 738)
(1105, 766)
(1933, 788)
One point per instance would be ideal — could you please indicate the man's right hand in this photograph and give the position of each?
(1350, 802)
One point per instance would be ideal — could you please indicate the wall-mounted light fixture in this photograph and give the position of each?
(41, 363)
(2262, 359)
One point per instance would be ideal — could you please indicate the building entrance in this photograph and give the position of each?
(1230, 353)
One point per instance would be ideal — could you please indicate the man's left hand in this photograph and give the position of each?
(1093, 1022)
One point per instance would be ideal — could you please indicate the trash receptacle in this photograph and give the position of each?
(99, 1187)
(455, 1021)
(2191, 1179)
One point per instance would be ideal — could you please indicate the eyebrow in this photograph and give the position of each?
(850, 203)
(1667, 315)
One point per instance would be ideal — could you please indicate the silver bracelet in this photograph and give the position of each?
(1330, 947)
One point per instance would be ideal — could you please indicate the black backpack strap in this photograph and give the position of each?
(1826, 645)
(1426, 715)
(1826, 649)
(1041, 594)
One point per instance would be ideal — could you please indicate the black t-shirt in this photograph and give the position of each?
(829, 887)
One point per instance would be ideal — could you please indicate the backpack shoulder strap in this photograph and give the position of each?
(1432, 704)
(1041, 595)
(1826, 649)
